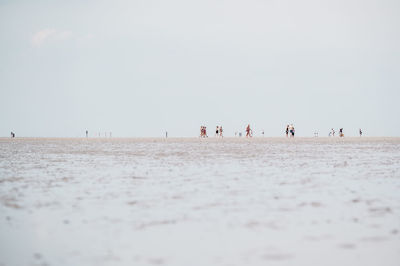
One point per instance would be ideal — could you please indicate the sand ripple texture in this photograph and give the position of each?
(200, 202)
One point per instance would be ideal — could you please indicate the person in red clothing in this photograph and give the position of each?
(248, 131)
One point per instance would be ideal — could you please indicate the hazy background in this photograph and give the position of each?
(138, 68)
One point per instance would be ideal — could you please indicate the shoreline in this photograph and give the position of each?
(208, 140)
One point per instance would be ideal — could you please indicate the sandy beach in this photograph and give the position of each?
(191, 201)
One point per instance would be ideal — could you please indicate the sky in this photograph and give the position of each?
(140, 68)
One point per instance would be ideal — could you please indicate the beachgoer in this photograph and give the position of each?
(217, 131)
(287, 130)
(12, 135)
(262, 132)
(87, 133)
(220, 131)
(292, 130)
(248, 131)
(333, 132)
(203, 132)
(341, 133)
(360, 132)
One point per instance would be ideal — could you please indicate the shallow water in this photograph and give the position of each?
(264, 201)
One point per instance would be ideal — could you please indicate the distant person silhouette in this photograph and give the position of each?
(248, 131)
(291, 130)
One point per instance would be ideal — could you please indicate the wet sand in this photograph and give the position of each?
(191, 201)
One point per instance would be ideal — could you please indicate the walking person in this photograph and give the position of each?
(287, 130)
(220, 132)
(360, 132)
(217, 131)
(248, 131)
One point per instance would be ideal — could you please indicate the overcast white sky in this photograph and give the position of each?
(138, 68)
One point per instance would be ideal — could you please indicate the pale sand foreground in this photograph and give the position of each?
(262, 201)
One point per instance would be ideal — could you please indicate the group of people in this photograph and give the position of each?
(249, 132)
(219, 131)
(290, 132)
(203, 132)
(290, 129)
(341, 134)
